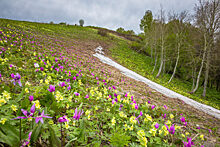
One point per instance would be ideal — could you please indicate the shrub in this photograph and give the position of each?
(102, 32)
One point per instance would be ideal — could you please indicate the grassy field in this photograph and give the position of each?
(53, 92)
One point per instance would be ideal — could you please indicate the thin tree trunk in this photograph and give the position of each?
(193, 77)
(178, 55)
(200, 71)
(155, 64)
(206, 73)
(161, 58)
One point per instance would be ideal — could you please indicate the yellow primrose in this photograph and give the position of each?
(141, 133)
(14, 108)
(87, 112)
(171, 116)
(6, 95)
(113, 121)
(148, 118)
(41, 81)
(153, 131)
(131, 128)
(187, 133)
(96, 108)
(2, 101)
(119, 98)
(3, 120)
(27, 84)
(183, 135)
(67, 106)
(108, 109)
(133, 120)
(26, 90)
(66, 125)
(37, 104)
(202, 137)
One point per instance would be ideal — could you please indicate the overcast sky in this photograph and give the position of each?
(110, 14)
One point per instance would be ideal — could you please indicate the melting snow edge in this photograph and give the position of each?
(205, 108)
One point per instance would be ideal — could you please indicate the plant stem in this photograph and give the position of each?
(20, 132)
(61, 136)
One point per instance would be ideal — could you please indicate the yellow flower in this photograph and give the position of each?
(47, 81)
(41, 81)
(30, 119)
(141, 133)
(177, 127)
(96, 108)
(144, 141)
(2, 101)
(27, 84)
(131, 128)
(113, 121)
(3, 120)
(67, 106)
(6, 95)
(26, 90)
(133, 120)
(202, 137)
(160, 132)
(87, 112)
(119, 98)
(80, 83)
(153, 131)
(148, 118)
(66, 125)
(37, 104)
(14, 108)
(108, 109)
(183, 135)
(187, 133)
(168, 123)
(171, 116)
(89, 117)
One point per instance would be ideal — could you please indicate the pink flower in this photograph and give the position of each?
(77, 114)
(153, 106)
(63, 119)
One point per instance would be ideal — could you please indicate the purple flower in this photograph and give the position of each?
(26, 113)
(153, 106)
(164, 116)
(51, 88)
(156, 125)
(40, 118)
(210, 131)
(126, 95)
(182, 119)
(62, 84)
(148, 102)
(42, 69)
(31, 98)
(171, 129)
(136, 106)
(165, 106)
(16, 78)
(76, 94)
(63, 119)
(141, 113)
(113, 87)
(28, 141)
(69, 87)
(189, 142)
(87, 96)
(74, 78)
(77, 114)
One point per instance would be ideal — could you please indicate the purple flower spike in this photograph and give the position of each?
(171, 129)
(189, 142)
(153, 106)
(156, 125)
(32, 110)
(16, 79)
(31, 98)
(77, 114)
(183, 119)
(51, 88)
(63, 119)
(40, 118)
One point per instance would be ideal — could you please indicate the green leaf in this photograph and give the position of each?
(69, 142)
(9, 135)
(36, 132)
(53, 139)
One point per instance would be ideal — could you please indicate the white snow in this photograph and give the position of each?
(205, 108)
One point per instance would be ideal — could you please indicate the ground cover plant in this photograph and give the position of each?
(53, 95)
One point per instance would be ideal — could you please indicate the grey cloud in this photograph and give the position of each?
(104, 13)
